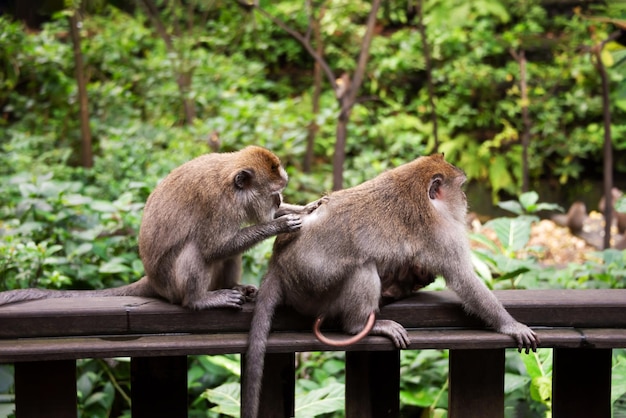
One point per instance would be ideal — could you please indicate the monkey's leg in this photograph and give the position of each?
(230, 277)
(360, 296)
(196, 281)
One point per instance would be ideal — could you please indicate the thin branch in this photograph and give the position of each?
(429, 74)
(359, 73)
(305, 43)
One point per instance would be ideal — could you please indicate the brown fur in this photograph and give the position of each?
(413, 215)
(193, 231)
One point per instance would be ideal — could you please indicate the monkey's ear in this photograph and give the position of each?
(243, 178)
(434, 189)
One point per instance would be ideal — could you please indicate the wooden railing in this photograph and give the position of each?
(44, 338)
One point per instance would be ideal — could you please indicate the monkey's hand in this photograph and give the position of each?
(289, 223)
(248, 291)
(314, 205)
(523, 336)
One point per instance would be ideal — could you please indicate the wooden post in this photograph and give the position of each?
(476, 384)
(45, 389)
(581, 383)
(278, 385)
(159, 386)
(372, 384)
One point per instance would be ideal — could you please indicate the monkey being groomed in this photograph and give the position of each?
(193, 231)
(407, 223)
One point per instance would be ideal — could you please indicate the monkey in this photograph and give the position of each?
(574, 219)
(620, 218)
(191, 236)
(411, 215)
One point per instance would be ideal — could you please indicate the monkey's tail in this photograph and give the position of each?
(141, 287)
(270, 294)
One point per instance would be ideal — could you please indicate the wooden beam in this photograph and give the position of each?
(45, 389)
(159, 387)
(604, 308)
(372, 384)
(476, 384)
(278, 385)
(581, 383)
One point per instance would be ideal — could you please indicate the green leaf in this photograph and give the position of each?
(533, 364)
(233, 366)
(513, 381)
(513, 233)
(541, 389)
(618, 384)
(528, 199)
(512, 206)
(226, 398)
(115, 265)
(620, 204)
(325, 400)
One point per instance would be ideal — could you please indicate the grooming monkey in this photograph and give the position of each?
(191, 236)
(413, 215)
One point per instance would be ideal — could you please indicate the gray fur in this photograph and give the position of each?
(413, 215)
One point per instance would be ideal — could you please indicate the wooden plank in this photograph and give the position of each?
(372, 384)
(45, 389)
(476, 384)
(278, 386)
(175, 345)
(159, 387)
(581, 383)
(131, 315)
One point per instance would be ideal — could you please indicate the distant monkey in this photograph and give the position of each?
(196, 224)
(576, 216)
(413, 215)
(619, 217)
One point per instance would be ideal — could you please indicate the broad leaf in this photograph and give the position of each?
(226, 399)
(325, 400)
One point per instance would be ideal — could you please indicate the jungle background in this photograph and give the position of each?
(100, 99)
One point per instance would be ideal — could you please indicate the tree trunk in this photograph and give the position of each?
(86, 152)
(317, 92)
(429, 75)
(340, 149)
(608, 148)
(183, 76)
(348, 98)
(520, 57)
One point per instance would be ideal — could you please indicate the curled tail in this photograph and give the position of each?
(141, 287)
(269, 296)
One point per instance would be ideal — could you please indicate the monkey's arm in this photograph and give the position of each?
(286, 208)
(247, 237)
(479, 300)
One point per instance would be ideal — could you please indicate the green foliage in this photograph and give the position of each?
(63, 226)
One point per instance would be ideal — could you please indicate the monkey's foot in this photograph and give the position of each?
(392, 330)
(248, 291)
(222, 298)
(523, 336)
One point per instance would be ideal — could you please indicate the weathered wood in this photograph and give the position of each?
(476, 384)
(45, 389)
(30, 349)
(372, 384)
(131, 315)
(159, 387)
(581, 383)
(278, 386)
